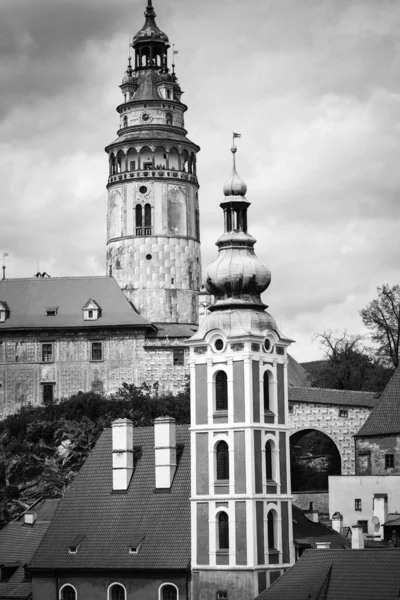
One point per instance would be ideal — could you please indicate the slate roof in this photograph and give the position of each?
(393, 520)
(28, 299)
(306, 532)
(372, 574)
(18, 543)
(111, 522)
(385, 418)
(297, 375)
(337, 397)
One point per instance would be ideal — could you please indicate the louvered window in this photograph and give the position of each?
(221, 391)
(223, 531)
(271, 532)
(68, 593)
(222, 460)
(117, 592)
(268, 460)
(169, 592)
(266, 391)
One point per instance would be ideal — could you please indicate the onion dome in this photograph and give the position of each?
(237, 278)
(128, 77)
(235, 186)
(150, 31)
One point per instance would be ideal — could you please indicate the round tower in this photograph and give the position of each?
(153, 234)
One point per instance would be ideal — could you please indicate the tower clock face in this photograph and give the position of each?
(145, 117)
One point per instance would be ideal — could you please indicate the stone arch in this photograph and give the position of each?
(121, 161)
(146, 158)
(328, 462)
(160, 157)
(174, 160)
(132, 159)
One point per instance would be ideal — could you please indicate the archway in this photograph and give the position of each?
(313, 457)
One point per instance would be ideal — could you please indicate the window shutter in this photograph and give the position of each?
(221, 391)
(222, 460)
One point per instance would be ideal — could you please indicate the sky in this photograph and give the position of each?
(313, 86)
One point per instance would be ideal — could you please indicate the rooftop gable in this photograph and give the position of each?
(385, 418)
(29, 299)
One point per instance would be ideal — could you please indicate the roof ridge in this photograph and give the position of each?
(298, 387)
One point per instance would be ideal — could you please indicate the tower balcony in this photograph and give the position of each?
(161, 173)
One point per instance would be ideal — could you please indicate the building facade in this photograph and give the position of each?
(241, 500)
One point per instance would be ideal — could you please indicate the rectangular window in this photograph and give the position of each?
(97, 351)
(132, 165)
(179, 357)
(389, 461)
(357, 504)
(48, 393)
(90, 314)
(343, 413)
(47, 352)
(363, 525)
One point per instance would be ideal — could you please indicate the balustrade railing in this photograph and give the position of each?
(161, 173)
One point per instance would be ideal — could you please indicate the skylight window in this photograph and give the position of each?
(136, 543)
(51, 311)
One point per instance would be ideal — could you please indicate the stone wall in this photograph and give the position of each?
(325, 418)
(371, 453)
(126, 358)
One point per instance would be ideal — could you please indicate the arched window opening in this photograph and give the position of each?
(169, 118)
(169, 592)
(266, 391)
(160, 158)
(271, 530)
(185, 160)
(139, 219)
(125, 121)
(221, 391)
(193, 156)
(222, 452)
(147, 219)
(68, 593)
(117, 592)
(223, 531)
(174, 163)
(268, 461)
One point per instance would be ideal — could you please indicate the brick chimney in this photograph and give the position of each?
(165, 451)
(357, 537)
(122, 453)
(337, 522)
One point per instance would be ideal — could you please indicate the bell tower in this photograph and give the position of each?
(242, 536)
(153, 235)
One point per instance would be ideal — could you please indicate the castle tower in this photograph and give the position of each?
(242, 536)
(153, 237)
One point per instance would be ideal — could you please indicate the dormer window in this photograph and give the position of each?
(4, 312)
(91, 310)
(51, 311)
(76, 542)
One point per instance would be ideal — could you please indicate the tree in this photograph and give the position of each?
(348, 365)
(382, 317)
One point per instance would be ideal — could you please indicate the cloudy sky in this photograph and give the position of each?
(313, 86)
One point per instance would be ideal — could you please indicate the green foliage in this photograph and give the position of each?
(44, 447)
(382, 318)
(348, 365)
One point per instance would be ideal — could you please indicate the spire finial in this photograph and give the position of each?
(149, 9)
(235, 186)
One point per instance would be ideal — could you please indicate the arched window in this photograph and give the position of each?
(125, 121)
(147, 215)
(169, 118)
(169, 592)
(223, 531)
(139, 215)
(68, 593)
(271, 529)
(117, 592)
(266, 391)
(268, 461)
(221, 391)
(222, 452)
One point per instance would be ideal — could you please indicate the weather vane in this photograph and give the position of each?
(235, 135)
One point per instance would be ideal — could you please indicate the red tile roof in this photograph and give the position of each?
(337, 397)
(111, 522)
(372, 574)
(27, 300)
(385, 418)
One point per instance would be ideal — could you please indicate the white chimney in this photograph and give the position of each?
(165, 451)
(30, 517)
(380, 514)
(323, 545)
(122, 448)
(357, 537)
(337, 522)
(312, 515)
